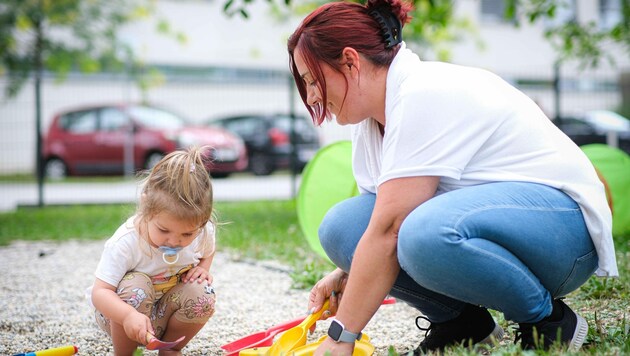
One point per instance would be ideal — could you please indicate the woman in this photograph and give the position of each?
(471, 198)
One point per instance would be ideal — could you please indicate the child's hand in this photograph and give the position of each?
(136, 326)
(198, 274)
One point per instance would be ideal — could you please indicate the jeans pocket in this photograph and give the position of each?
(582, 270)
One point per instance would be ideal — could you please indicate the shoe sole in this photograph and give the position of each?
(495, 336)
(579, 336)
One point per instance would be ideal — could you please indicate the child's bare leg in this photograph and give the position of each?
(122, 344)
(176, 329)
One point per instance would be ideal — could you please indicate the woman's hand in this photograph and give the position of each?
(330, 287)
(136, 326)
(332, 348)
(198, 274)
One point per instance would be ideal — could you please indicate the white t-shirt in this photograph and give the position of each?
(468, 126)
(126, 251)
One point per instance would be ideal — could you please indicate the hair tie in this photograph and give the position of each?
(391, 27)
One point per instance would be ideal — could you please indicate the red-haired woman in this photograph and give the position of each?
(471, 198)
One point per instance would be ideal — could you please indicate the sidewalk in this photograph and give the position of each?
(242, 188)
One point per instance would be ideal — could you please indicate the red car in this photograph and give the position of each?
(95, 141)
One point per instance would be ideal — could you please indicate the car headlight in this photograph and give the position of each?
(225, 154)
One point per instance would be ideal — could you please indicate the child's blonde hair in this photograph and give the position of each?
(180, 185)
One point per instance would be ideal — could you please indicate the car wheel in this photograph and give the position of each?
(55, 169)
(261, 165)
(152, 160)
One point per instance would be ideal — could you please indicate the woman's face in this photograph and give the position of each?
(341, 97)
(166, 230)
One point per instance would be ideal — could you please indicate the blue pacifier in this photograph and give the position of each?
(170, 255)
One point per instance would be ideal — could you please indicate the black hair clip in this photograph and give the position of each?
(391, 27)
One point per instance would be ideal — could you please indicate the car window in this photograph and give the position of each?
(302, 126)
(79, 122)
(113, 119)
(245, 126)
(156, 118)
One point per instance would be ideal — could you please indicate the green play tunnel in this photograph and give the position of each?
(614, 167)
(327, 179)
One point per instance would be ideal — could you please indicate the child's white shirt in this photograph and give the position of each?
(126, 251)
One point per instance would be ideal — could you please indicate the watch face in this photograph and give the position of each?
(335, 329)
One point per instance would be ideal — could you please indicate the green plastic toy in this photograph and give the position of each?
(614, 167)
(326, 180)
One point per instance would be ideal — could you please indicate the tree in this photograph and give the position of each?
(434, 25)
(584, 42)
(60, 36)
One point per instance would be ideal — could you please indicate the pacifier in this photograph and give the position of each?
(170, 255)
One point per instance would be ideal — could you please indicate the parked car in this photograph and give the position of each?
(595, 127)
(268, 140)
(92, 141)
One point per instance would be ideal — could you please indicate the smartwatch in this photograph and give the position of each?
(337, 331)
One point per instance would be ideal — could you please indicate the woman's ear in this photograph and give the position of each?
(350, 59)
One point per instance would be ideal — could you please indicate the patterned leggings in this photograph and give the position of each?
(187, 302)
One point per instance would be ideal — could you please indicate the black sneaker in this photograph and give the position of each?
(473, 326)
(570, 330)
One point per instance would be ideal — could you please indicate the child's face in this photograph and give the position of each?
(165, 230)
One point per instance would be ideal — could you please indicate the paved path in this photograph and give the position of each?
(237, 188)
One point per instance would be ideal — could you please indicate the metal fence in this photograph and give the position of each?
(207, 93)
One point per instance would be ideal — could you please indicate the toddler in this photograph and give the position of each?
(153, 278)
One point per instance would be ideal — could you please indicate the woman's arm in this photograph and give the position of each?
(375, 263)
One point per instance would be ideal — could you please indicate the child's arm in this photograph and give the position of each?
(200, 272)
(106, 301)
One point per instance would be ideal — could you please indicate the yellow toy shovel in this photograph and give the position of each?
(295, 336)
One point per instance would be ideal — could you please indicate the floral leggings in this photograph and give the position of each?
(187, 302)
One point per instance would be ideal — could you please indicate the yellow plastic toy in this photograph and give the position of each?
(293, 341)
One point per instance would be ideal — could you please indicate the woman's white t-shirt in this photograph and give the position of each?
(468, 126)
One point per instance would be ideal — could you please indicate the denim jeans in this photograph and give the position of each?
(507, 246)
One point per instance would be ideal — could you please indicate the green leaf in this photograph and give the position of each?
(163, 26)
(228, 4)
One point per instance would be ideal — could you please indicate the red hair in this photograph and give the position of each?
(322, 36)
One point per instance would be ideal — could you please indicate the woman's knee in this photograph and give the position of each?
(342, 227)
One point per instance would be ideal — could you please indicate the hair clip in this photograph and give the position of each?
(192, 168)
(391, 27)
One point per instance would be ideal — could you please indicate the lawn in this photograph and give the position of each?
(268, 230)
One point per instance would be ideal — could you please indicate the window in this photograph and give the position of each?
(565, 13)
(609, 13)
(79, 122)
(493, 11)
(112, 120)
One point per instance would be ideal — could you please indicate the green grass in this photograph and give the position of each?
(269, 230)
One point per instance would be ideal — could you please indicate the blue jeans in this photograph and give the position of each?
(507, 246)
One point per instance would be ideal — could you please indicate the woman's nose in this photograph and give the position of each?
(311, 97)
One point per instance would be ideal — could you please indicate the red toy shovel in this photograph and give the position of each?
(263, 338)
(157, 344)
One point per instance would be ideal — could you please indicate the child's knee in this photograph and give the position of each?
(197, 303)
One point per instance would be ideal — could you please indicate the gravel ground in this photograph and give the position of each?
(42, 303)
